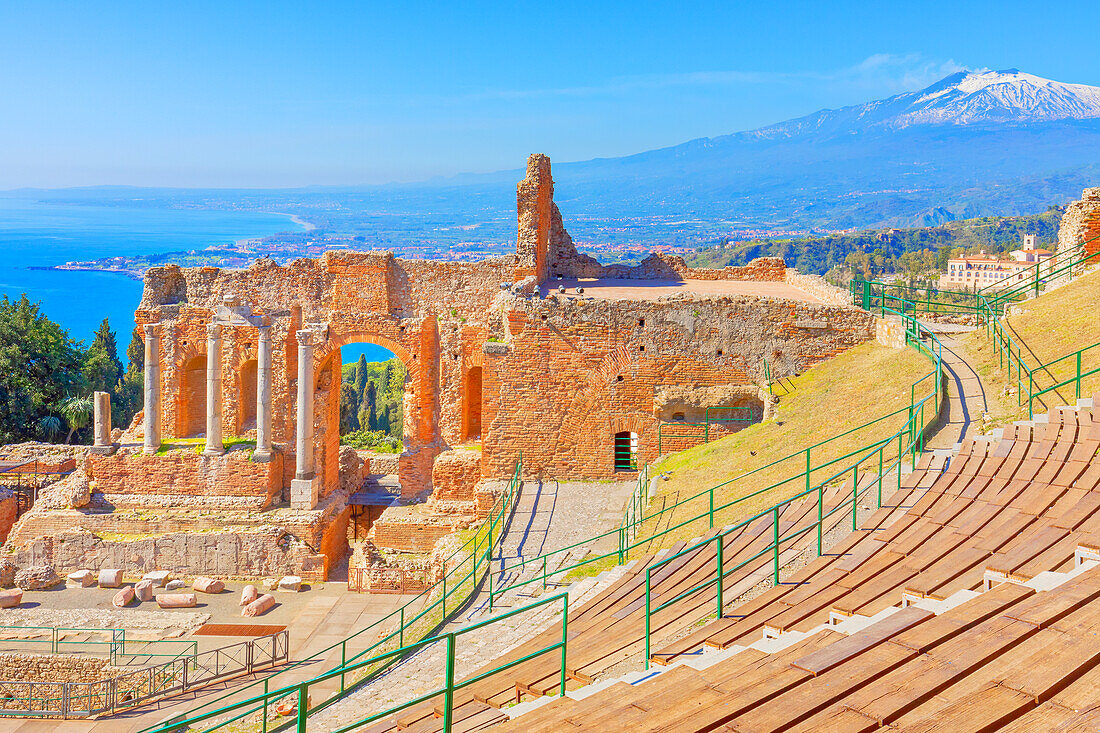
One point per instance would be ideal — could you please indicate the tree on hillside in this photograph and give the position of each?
(349, 408)
(104, 340)
(39, 368)
(361, 376)
(131, 388)
(78, 414)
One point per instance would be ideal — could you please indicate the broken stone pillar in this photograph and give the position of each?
(152, 390)
(263, 396)
(303, 488)
(102, 445)
(214, 446)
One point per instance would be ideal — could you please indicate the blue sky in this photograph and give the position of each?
(279, 94)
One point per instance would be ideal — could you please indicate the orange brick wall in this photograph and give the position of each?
(184, 473)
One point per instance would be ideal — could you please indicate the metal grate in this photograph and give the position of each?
(237, 630)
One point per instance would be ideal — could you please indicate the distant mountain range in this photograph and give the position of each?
(972, 144)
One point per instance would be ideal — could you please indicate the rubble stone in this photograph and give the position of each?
(11, 598)
(80, 579)
(143, 590)
(291, 583)
(249, 594)
(159, 578)
(177, 600)
(208, 585)
(260, 606)
(8, 569)
(124, 597)
(37, 577)
(110, 578)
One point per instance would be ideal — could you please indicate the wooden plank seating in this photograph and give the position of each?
(1008, 509)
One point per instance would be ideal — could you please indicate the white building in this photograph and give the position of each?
(978, 271)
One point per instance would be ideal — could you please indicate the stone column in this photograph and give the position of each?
(303, 489)
(214, 445)
(263, 395)
(102, 425)
(152, 390)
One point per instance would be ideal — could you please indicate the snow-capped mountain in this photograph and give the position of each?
(964, 98)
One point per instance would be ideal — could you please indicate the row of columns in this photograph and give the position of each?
(214, 440)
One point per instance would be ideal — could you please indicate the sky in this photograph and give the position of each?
(272, 94)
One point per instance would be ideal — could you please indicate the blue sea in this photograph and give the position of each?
(42, 234)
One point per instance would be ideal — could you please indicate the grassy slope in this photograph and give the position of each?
(1053, 325)
(833, 397)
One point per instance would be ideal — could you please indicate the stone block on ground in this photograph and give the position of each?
(143, 590)
(11, 598)
(174, 585)
(249, 594)
(37, 577)
(270, 583)
(80, 579)
(177, 600)
(260, 606)
(123, 597)
(208, 585)
(159, 577)
(290, 583)
(8, 569)
(110, 578)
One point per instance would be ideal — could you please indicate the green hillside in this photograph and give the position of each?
(913, 252)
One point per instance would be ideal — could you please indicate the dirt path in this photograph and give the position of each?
(966, 395)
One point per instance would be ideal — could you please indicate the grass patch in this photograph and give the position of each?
(1053, 325)
(837, 395)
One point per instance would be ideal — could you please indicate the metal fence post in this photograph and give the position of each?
(720, 573)
(855, 494)
(647, 588)
(775, 539)
(820, 508)
(449, 692)
(564, 638)
(303, 704)
(711, 511)
(880, 450)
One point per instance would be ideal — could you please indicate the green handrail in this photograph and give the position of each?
(300, 690)
(913, 430)
(480, 561)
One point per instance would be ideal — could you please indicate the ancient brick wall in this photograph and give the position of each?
(575, 372)
(455, 475)
(184, 472)
(1081, 222)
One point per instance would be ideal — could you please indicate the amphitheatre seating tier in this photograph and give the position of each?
(956, 641)
(609, 629)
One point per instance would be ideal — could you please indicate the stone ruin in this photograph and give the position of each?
(235, 469)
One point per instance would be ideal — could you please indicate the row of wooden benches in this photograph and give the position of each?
(610, 628)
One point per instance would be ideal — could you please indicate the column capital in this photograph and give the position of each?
(151, 330)
(213, 330)
(305, 337)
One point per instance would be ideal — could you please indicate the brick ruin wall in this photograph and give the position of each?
(1081, 223)
(487, 358)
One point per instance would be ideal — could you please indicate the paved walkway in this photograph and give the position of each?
(548, 515)
(966, 401)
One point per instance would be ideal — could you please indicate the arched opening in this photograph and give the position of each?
(372, 394)
(678, 417)
(471, 396)
(626, 451)
(192, 400)
(247, 396)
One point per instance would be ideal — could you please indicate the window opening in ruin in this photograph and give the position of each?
(641, 322)
(720, 352)
(471, 403)
(626, 451)
(247, 400)
(372, 397)
(192, 408)
(641, 348)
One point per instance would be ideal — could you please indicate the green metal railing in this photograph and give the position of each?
(909, 440)
(299, 694)
(53, 640)
(455, 585)
(625, 539)
(748, 417)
